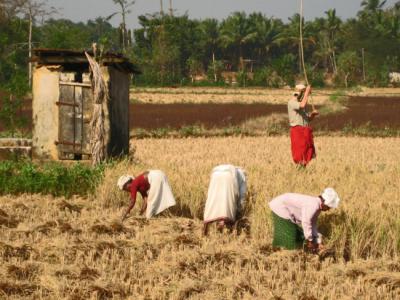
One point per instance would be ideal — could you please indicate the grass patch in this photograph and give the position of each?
(369, 130)
(17, 177)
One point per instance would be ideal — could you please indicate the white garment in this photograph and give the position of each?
(160, 195)
(226, 193)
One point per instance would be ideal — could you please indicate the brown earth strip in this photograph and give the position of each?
(152, 116)
(379, 112)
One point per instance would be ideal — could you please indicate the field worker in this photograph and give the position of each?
(295, 219)
(301, 135)
(225, 197)
(154, 188)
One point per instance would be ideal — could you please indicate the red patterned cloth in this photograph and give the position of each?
(303, 149)
(139, 184)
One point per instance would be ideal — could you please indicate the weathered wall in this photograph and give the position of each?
(45, 112)
(118, 109)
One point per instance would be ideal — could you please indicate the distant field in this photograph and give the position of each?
(353, 115)
(163, 112)
(57, 248)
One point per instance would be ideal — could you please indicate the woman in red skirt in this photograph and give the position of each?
(301, 135)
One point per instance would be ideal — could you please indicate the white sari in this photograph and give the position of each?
(160, 195)
(226, 193)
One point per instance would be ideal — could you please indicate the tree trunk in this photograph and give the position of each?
(241, 62)
(215, 71)
(334, 62)
(30, 47)
(346, 76)
(123, 12)
(170, 8)
(161, 8)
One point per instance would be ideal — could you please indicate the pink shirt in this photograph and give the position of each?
(300, 209)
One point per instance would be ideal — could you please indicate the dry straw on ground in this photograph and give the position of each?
(77, 248)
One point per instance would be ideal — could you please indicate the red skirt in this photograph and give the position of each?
(303, 149)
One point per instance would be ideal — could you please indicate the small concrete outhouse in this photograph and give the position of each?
(62, 104)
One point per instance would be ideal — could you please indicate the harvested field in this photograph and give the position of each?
(242, 95)
(216, 95)
(55, 252)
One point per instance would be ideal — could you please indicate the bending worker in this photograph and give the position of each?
(290, 211)
(154, 189)
(301, 135)
(226, 196)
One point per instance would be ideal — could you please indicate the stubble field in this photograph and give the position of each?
(55, 248)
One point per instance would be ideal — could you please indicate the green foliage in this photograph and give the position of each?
(18, 177)
(350, 68)
(171, 49)
(285, 67)
(11, 102)
(242, 78)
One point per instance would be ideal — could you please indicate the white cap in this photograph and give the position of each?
(124, 179)
(331, 198)
(298, 88)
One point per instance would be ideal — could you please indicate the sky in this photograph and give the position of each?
(83, 10)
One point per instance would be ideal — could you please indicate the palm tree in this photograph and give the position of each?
(267, 32)
(332, 27)
(210, 31)
(290, 38)
(236, 32)
(373, 5)
(125, 10)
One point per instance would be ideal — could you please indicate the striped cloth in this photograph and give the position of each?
(287, 235)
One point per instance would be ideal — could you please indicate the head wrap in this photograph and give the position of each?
(124, 179)
(331, 198)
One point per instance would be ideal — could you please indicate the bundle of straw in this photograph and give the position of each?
(99, 136)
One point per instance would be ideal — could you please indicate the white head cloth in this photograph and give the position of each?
(331, 198)
(123, 180)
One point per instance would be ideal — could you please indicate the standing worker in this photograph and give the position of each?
(290, 211)
(225, 197)
(301, 135)
(154, 188)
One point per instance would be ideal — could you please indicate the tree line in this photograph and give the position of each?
(174, 49)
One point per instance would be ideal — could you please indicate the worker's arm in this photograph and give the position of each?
(144, 205)
(128, 210)
(308, 222)
(133, 191)
(307, 93)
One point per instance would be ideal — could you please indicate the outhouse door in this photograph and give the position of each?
(75, 109)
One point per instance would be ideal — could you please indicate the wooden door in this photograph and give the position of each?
(74, 104)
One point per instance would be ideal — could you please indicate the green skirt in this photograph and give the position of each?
(287, 235)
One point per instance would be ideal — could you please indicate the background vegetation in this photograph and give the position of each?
(173, 49)
(19, 177)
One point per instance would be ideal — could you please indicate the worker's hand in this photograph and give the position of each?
(312, 247)
(320, 248)
(309, 89)
(315, 112)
